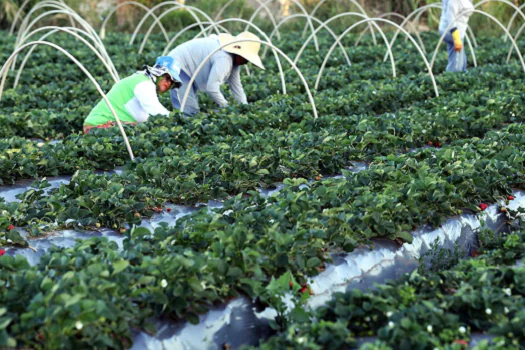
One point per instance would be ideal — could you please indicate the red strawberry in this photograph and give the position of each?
(291, 285)
(437, 144)
(483, 206)
(461, 342)
(304, 290)
(10, 227)
(510, 198)
(474, 253)
(430, 143)
(169, 210)
(2, 252)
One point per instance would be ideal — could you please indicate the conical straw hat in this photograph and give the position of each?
(249, 49)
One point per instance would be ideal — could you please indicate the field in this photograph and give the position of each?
(253, 204)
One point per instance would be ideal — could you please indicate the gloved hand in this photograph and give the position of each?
(458, 45)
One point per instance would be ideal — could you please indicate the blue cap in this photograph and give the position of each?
(171, 66)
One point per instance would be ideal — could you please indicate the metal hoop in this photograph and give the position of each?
(199, 68)
(5, 68)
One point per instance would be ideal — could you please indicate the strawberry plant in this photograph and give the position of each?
(428, 158)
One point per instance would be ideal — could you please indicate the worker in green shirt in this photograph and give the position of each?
(135, 98)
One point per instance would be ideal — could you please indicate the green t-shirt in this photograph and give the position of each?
(119, 95)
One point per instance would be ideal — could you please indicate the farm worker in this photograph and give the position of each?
(223, 66)
(454, 18)
(135, 98)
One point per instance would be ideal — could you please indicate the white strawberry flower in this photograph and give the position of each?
(391, 324)
(79, 325)
(488, 311)
(164, 283)
(462, 330)
(429, 328)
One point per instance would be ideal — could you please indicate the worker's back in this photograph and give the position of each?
(192, 53)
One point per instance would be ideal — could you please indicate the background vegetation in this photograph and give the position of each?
(126, 18)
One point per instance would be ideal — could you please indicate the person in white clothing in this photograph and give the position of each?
(135, 98)
(223, 66)
(454, 20)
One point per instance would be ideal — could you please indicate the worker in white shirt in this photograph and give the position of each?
(135, 98)
(223, 66)
(454, 18)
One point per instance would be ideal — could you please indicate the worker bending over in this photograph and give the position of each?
(223, 66)
(135, 98)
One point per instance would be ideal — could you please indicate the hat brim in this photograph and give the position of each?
(175, 77)
(254, 59)
(250, 57)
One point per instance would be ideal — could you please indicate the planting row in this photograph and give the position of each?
(95, 294)
(477, 102)
(236, 164)
(42, 107)
(441, 307)
(234, 249)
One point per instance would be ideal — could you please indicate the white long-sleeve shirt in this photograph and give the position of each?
(145, 102)
(218, 70)
(451, 14)
(133, 98)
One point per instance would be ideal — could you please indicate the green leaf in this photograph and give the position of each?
(16, 239)
(298, 314)
(405, 236)
(4, 322)
(192, 318)
(280, 285)
(313, 262)
(119, 266)
(235, 273)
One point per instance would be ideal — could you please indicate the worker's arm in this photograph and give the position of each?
(220, 70)
(452, 12)
(458, 44)
(236, 86)
(458, 13)
(146, 93)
